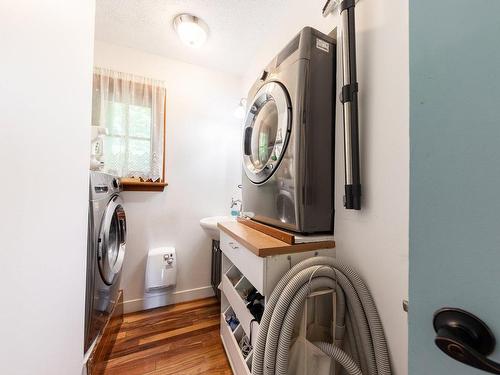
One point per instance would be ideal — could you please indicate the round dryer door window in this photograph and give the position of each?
(267, 129)
(111, 242)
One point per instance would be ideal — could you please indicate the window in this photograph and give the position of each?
(131, 109)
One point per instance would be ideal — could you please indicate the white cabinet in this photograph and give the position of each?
(252, 266)
(242, 269)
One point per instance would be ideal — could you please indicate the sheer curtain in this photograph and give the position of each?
(132, 109)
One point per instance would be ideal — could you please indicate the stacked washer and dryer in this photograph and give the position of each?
(288, 140)
(107, 232)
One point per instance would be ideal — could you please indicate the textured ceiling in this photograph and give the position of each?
(237, 27)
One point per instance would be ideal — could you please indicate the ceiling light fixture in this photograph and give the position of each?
(192, 30)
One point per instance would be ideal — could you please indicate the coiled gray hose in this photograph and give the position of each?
(340, 356)
(355, 310)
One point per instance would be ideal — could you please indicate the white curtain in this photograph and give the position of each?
(132, 109)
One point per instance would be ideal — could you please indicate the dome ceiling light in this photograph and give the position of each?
(192, 30)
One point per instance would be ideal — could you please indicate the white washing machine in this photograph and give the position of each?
(107, 232)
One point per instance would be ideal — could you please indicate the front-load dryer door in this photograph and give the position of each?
(267, 129)
(111, 241)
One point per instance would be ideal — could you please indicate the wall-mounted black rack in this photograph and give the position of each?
(349, 99)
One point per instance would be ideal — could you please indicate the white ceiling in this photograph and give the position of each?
(237, 27)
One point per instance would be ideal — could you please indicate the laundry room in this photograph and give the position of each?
(249, 187)
(202, 86)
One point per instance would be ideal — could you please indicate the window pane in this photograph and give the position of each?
(139, 121)
(116, 117)
(139, 156)
(114, 150)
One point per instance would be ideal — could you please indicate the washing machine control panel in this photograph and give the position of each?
(103, 184)
(101, 189)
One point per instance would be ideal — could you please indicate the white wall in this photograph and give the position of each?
(202, 169)
(374, 240)
(45, 104)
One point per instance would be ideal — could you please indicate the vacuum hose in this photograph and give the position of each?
(356, 316)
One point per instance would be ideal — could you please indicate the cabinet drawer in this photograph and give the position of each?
(252, 266)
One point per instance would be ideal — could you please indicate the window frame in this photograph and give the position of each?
(137, 184)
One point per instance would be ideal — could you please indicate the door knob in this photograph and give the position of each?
(465, 338)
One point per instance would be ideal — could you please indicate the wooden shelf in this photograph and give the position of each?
(264, 245)
(132, 184)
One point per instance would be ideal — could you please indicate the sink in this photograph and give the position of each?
(209, 224)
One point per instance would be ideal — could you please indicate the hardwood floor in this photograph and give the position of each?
(180, 339)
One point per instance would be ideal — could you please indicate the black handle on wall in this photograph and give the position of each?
(349, 100)
(465, 338)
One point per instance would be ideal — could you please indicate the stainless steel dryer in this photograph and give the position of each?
(107, 233)
(288, 141)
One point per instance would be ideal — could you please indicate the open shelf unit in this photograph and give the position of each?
(231, 341)
(234, 292)
(244, 271)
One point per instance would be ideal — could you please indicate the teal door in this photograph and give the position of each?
(455, 172)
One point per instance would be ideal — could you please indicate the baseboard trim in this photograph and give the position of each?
(152, 300)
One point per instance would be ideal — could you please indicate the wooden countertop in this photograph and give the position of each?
(264, 245)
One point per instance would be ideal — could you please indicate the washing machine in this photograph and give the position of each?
(288, 138)
(107, 232)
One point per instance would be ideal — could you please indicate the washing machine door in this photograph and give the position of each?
(266, 133)
(112, 240)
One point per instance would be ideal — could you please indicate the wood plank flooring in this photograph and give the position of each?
(182, 339)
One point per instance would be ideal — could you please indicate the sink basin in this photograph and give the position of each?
(209, 224)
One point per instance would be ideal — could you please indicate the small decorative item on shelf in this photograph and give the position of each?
(140, 184)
